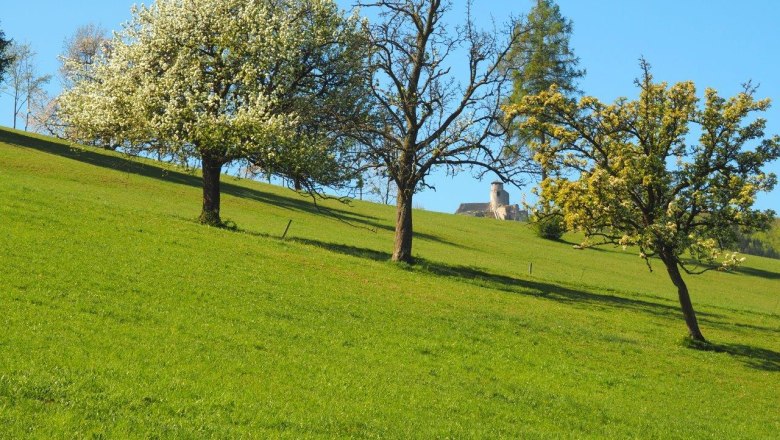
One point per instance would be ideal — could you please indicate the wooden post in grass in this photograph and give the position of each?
(286, 229)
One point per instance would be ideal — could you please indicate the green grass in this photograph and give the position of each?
(123, 317)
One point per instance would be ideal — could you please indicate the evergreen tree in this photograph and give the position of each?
(540, 58)
(5, 57)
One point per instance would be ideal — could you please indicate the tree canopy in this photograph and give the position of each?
(634, 173)
(228, 80)
(541, 55)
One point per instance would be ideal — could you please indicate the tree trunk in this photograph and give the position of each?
(685, 299)
(16, 109)
(212, 170)
(29, 97)
(543, 168)
(297, 183)
(27, 116)
(403, 227)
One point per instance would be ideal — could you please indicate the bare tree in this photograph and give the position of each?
(80, 53)
(381, 186)
(44, 116)
(426, 119)
(24, 83)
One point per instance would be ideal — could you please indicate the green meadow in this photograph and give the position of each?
(122, 317)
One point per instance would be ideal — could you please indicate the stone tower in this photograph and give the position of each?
(498, 197)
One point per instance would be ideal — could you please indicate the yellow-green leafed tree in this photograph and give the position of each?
(219, 81)
(633, 174)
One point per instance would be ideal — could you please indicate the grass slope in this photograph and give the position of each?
(122, 317)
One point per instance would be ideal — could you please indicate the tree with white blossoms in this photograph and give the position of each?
(641, 178)
(222, 81)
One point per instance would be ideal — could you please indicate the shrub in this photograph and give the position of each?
(551, 227)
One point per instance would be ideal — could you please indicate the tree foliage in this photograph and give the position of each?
(541, 55)
(550, 226)
(5, 56)
(638, 175)
(425, 119)
(261, 81)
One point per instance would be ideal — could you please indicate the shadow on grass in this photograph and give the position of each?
(753, 357)
(758, 273)
(504, 283)
(146, 169)
(738, 326)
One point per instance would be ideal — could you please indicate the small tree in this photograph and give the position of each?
(380, 186)
(229, 80)
(425, 119)
(26, 87)
(639, 179)
(82, 53)
(44, 115)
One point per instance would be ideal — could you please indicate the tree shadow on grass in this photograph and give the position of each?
(146, 168)
(349, 217)
(482, 278)
(754, 357)
(751, 271)
(738, 326)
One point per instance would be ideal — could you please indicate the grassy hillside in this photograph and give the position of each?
(123, 317)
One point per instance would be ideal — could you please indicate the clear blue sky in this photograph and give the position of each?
(716, 43)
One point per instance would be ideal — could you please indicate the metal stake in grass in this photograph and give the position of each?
(286, 229)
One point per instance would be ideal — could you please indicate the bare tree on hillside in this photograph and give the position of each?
(426, 119)
(24, 84)
(80, 53)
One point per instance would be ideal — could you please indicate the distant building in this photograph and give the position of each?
(498, 207)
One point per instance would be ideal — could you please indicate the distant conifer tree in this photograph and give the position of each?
(5, 56)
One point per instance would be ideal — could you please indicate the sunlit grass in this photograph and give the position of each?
(123, 317)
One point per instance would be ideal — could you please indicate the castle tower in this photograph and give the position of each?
(498, 197)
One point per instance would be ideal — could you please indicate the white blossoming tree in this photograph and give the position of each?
(636, 177)
(262, 81)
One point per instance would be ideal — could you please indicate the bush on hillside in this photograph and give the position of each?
(551, 227)
(757, 246)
